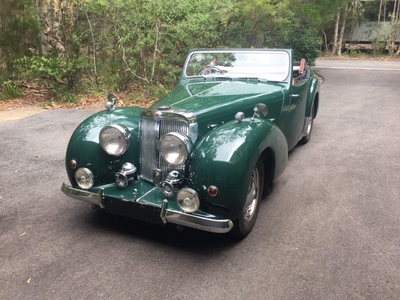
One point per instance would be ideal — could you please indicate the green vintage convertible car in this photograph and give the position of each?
(204, 155)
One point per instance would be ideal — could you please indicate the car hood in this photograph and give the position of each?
(218, 101)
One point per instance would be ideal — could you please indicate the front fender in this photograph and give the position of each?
(85, 149)
(226, 157)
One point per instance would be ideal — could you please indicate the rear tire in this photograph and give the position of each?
(247, 218)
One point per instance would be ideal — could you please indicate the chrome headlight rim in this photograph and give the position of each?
(180, 157)
(112, 144)
(84, 178)
(188, 200)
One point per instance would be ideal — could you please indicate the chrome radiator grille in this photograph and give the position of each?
(150, 133)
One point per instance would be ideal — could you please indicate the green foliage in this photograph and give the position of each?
(19, 31)
(317, 14)
(42, 67)
(59, 74)
(305, 42)
(103, 45)
(9, 90)
(154, 37)
(284, 24)
(264, 22)
(381, 40)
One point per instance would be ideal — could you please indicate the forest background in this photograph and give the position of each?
(61, 50)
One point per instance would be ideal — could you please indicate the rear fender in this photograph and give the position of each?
(313, 97)
(226, 158)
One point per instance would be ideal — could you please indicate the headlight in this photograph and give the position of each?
(84, 178)
(188, 200)
(115, 139)
(175, 148)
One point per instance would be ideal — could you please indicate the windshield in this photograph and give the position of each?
(264, 65)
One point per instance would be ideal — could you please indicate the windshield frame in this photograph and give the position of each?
(230, 63)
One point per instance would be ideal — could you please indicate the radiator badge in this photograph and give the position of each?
(158, 116)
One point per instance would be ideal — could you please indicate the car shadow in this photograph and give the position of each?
(183, 238)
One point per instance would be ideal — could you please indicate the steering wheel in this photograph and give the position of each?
(211, 70)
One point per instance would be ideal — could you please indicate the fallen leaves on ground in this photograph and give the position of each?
(85, 102)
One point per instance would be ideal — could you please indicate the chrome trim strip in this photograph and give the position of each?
(93, 198)
(148, 192)
(306, 125)
(171, 114)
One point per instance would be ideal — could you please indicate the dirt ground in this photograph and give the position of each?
(27, 106)
(20, 108)
(19, 112)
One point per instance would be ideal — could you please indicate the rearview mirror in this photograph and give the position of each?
(260, 110)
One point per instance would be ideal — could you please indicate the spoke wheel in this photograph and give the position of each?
(305, 139)
(245, 223)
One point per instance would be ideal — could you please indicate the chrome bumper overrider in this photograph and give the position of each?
(166, 215)
(93, 198)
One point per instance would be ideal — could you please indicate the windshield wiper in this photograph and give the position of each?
(248, 79)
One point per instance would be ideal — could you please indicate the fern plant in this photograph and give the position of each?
(9, 90)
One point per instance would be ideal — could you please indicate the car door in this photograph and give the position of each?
(296, 113)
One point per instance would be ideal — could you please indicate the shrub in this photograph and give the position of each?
(9, 90)
(305, 43)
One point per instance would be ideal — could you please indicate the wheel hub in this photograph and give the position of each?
(252, 196)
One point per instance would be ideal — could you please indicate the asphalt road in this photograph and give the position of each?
(330, 229)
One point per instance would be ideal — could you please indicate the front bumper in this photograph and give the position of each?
(147, 212)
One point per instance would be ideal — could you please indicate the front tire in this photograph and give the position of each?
(247, 218)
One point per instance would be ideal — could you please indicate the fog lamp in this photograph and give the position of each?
(188, 200)
(84, 178)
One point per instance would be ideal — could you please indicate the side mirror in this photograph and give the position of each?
(112, 99)
(260, 110)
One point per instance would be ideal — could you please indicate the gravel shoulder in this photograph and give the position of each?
(20, 112)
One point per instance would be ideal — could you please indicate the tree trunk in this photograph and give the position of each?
(44, 19)
(395, 28)
(342, 29)
(336, 32)
(50, 38)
